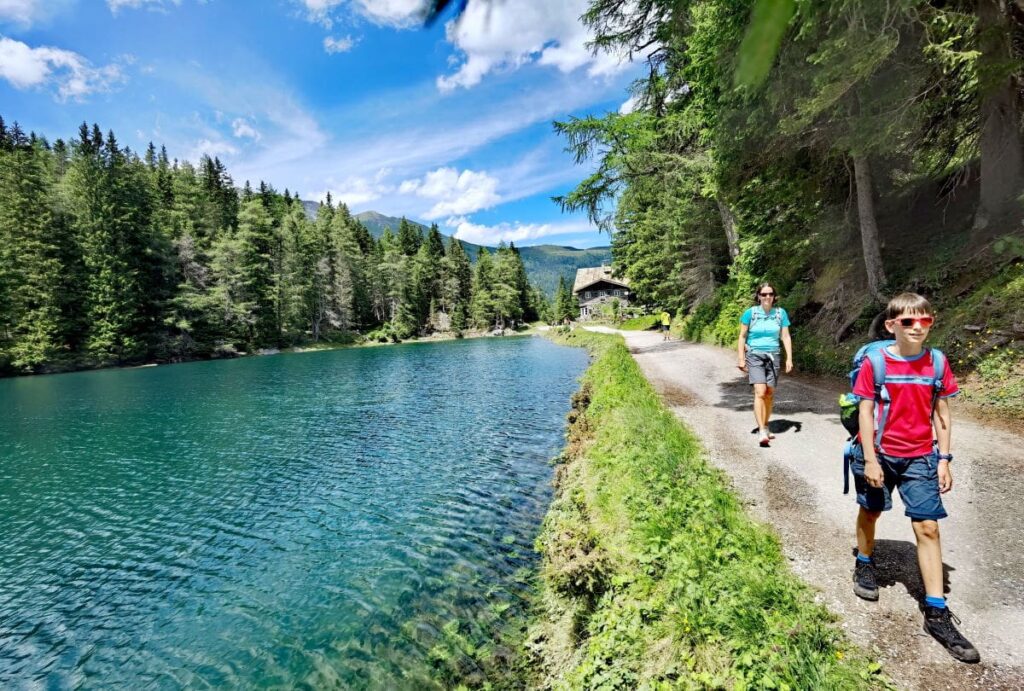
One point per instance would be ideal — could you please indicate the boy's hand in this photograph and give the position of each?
(742, 365)
(789, 366)
(873, 473)
(945, 477)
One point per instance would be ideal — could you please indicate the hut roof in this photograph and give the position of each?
(591, 275)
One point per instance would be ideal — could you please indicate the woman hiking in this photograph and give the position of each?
(762, 329)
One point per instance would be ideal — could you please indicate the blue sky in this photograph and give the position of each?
(450, 124)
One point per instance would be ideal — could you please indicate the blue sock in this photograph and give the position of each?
(861, 557)
(939, 602)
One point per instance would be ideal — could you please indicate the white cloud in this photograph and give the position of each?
(355, 190)
(211, 148)
(506, 35)
(629, 105)
(455, 193)
(513, 232)
(400, 14)
(319, 8)
(242, 129)
(116, 5)
(397, 13)
(339, 45)
(25, 12)
(290, 138)
(25, 67)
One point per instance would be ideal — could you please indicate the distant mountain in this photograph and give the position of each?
(310, 209)
(544, 263)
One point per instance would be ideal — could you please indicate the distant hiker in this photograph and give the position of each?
(904, 425)
(666, 322)
(762, 329)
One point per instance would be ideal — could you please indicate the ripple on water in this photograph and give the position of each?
(347, 518)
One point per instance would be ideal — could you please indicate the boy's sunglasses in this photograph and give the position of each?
(907, 322)
(766, 295)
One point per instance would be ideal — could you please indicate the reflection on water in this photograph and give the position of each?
(357, 518)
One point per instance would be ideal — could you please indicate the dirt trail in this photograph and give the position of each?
(796, 486)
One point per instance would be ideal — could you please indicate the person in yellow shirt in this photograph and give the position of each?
(666, 321)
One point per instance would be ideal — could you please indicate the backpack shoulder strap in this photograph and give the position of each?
(939, 364)
(877, 359)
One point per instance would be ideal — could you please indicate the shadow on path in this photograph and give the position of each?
(781, 426)
(896, 563)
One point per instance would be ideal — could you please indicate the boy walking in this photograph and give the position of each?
(912, 409)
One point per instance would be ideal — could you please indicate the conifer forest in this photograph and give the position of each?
(109, 257)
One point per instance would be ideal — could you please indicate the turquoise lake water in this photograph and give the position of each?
(350, 518)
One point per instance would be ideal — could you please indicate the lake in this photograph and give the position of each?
(354, 518)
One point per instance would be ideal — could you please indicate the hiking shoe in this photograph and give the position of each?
(764, 442)
(941, 624)
(865, 585)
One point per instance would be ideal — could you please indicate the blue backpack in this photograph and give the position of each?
(849, 403)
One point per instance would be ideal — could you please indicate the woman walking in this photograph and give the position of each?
(762, 329)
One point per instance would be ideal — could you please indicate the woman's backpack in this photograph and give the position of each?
(849, 403)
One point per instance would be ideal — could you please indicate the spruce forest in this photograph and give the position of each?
(843, 151)
(107, 258)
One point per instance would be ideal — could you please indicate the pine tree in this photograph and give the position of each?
(527, 307)
(393, 276)
(566, 306)
(111, 221)
(257, 245)
(31, 323)
(301, 312)
(409, 238)
(482, 309)
(506, 293)
(346, 272)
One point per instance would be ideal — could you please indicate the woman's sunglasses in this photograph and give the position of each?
(766, 295)
(907, 322)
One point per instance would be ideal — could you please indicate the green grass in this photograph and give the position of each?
(643, 323)
(653, 574)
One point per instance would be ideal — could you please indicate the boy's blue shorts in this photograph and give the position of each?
(917, 479)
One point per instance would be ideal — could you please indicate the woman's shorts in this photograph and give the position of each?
(763, 368)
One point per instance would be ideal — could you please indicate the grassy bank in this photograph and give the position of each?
(653, 576)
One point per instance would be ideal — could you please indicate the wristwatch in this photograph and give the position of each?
(945, 456)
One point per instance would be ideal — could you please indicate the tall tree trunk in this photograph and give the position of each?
(729, 223)
(1002, 150)
(868, 226)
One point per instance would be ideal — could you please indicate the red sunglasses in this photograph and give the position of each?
(907, 322)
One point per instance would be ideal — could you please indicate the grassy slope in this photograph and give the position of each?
(653, 575)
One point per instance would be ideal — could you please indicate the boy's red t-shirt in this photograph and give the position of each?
(908, 431)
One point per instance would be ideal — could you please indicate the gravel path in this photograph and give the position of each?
(796, 486)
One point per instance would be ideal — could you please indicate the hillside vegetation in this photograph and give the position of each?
(879, 150)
